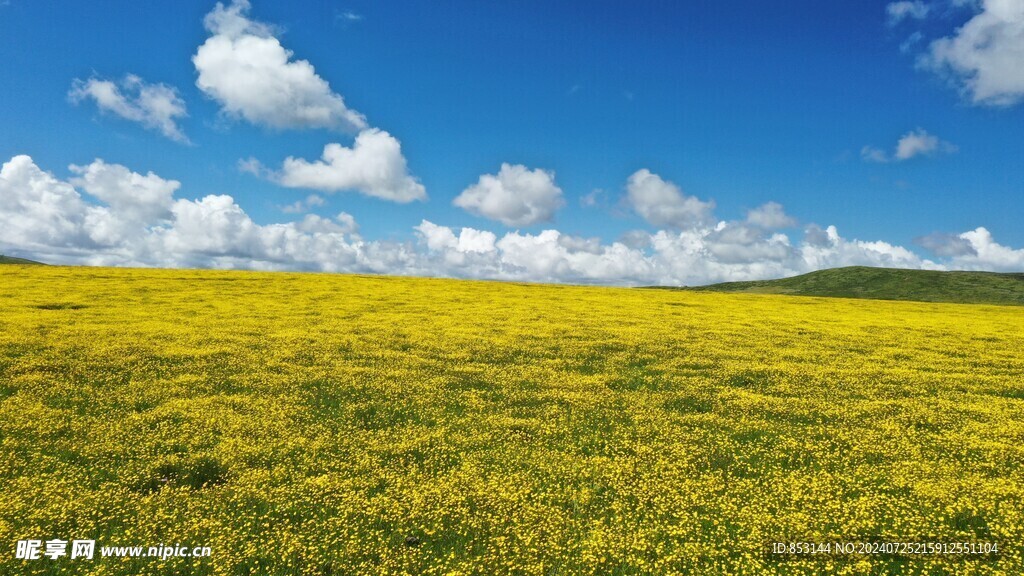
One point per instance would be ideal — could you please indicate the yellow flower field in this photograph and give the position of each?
(327, 424)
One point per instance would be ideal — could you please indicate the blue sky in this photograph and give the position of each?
(799, 103)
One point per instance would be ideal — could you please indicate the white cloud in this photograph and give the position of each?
(594, 199)
(912, 144)
(143, 199)
(921, 143)
(40, 212)
(942, 244)
(48, 218)
(469, 240)
(728, 253)
(155, 106)
(108, 215)
(771, 216)
(637, 239)
(252, 76)
(304, 205)
(900, 11)
(987, 254)
(974, 250)
(516, 196)
(662, 203)
(580, 244)
(373, 166)
(347, 223)
(984, 55)
(872, 154)
(832, 250)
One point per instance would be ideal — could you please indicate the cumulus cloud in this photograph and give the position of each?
(771, 216)
(662, 203)
(142, 199)
(154, 106)
(40, 212)
(728, 252)
(942, 244)
(973, 250)
(636, 239)
(900, 11)
(244, 67)
(984, 55)
(106, 214)
(987, 254)
(126, 218)
(921, 143)
(912, 144)
(516, 196)
(373, 166)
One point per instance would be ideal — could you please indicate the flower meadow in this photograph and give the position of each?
(323, 424)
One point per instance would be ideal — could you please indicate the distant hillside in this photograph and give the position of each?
(892, 284)
(13, 260)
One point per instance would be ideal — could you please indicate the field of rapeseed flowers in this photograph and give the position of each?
(327, 424)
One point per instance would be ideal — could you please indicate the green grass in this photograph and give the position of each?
(891, 284)
(13, 260)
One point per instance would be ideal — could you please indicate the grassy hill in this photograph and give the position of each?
(13, 260)
(892, 284)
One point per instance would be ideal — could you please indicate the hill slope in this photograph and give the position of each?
(13, 260)
(892, 284)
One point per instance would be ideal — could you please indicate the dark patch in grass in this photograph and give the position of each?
(385, 417)
(60, 306)
(594, 361)
(752, 379)
(144, 405)
(689, 405)
(520, 433)
(1016, 393)
(797, 418)
(7, 391)
(970, 522)
(638, 375)
(466, 382)
(196, 473)
(748, 436)
(697, 367)
(424, 456)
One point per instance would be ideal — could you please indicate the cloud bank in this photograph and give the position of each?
(106, 214)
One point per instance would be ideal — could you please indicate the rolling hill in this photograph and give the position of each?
(13, 260)
(891, 284)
